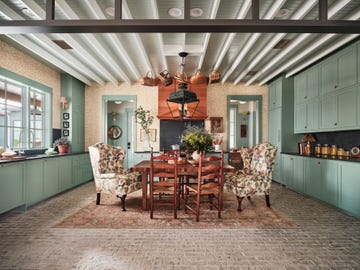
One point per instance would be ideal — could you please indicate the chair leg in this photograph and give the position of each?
(267, 198)
(249, 198)
(122, 198)
(98, 195)
(239, 202)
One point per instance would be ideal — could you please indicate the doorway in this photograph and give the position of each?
(119, 124)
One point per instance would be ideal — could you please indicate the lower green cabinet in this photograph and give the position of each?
(51, 176)
(82, 170)
(332, 181)
(293, 172)
(65, 173)
(11, 186)
(349, 188)
(34, 181)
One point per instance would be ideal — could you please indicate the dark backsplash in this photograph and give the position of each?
(171, 131)
(343, 139)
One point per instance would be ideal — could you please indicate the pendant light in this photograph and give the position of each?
(181, 95)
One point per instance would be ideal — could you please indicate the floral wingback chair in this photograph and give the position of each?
(109, 174)
(256, 175)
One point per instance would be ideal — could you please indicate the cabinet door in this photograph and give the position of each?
(313, 81)
(313, 116)
(65, 173)
(275, 138)
(347, 67)
(329, 75)
(298, 174)
(51, 176)
(313, 180)
(329, 112)
(272, 96)
(34, 181)
(347, 105)
(11, 186)
(287, 168)
(300, 85)
(300, 115)
(329, 173)
(349, 198)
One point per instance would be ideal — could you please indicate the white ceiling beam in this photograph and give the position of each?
(78, 49)
(271, 13)
(299, 14)
(25, 42)
(35, 8)
(297, 41)
(113, 38)
(49, 57)
(230, 37)
(338, 43)
(65, 56)
(139, 44)
(214, 10)
(163, 60)
(94, 43)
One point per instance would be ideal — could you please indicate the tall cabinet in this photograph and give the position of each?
(280, 120)
(74, 90)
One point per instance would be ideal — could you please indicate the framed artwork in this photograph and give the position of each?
(216, 125)
(66, 133)
(152, 135)
(66, 124)
(66, 116)
(243, 131)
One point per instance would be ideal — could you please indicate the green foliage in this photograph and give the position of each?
(144, 118)
(61, 141)
(196, 138)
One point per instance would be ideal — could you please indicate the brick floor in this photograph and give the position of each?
(324, 239)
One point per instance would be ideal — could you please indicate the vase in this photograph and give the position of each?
(147, 142)
(196, 155)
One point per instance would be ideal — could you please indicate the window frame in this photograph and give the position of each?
(31, 86)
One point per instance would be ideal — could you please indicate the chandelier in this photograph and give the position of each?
(181, 95)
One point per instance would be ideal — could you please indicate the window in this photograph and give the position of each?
(25, 117)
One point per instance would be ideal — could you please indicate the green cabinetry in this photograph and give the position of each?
(332, 181)
(280, 120)
(34, 182)
(349, 188)
(31, 181)
(74, 90)
(293, 172)
(339, 71)
(339, 109)
(327, 95)
(11, 186)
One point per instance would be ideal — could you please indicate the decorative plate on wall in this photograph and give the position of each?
(114, 132)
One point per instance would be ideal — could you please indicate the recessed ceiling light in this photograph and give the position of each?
(196, 12)
(283, 43)
(118, 102)
(110, 11)
(62, 44)
(175, 12)
(242, 102)
(27, 12)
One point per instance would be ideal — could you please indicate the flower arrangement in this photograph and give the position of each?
(144, 118)
(196, 138)
(217, 139)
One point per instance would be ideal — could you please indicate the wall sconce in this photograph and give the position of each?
(64, 102)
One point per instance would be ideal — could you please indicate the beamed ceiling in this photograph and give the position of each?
(249, 41)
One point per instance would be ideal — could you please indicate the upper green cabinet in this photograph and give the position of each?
(327, 95)
(275, 94)
(338, 109)
(307, 85)
(339, 71)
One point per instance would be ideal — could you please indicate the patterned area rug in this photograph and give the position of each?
(109, 215)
